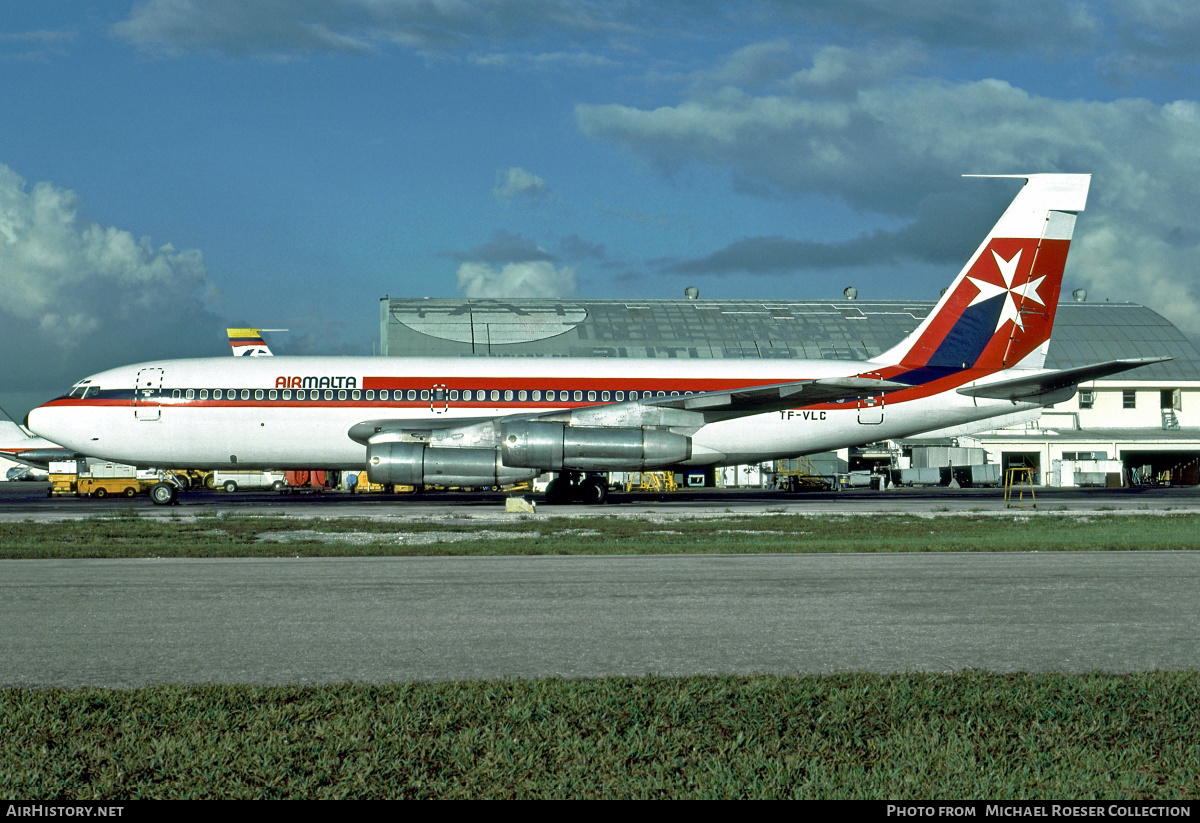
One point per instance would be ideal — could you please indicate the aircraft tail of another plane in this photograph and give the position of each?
(248, 343)
(999, 311)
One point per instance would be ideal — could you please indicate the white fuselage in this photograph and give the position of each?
(297, 412)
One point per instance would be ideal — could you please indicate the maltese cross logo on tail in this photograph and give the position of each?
(1026, 291)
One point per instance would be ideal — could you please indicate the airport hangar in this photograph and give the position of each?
(1138, 427)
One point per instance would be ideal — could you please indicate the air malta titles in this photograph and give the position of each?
(316, 382)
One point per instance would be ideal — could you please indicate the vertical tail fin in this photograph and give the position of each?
(998, 313)
(249, 342)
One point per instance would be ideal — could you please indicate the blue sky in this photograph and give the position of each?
(171, 167)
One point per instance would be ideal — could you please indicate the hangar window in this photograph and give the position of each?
(1087, 398)
(1129, 399)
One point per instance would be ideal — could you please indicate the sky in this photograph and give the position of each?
(172, 167)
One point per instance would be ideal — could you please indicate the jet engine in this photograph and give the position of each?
(555, 446)
(415, 464)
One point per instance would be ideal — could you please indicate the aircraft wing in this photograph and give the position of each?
(757, 399)
(689, 411)
(1020, 387)
(363, 432)
(17, 444)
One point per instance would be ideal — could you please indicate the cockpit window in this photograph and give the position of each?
(80, 389)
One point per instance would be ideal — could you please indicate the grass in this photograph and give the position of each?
(278, 536)
(970, 735)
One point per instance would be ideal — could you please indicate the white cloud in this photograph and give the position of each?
(292, 27)
(899, 140)
(516, 182)
(78, 297)
(537, 278)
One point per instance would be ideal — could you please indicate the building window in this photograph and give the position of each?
(1087, 398)
(1129, 399)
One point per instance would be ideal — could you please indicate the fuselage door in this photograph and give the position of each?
(439, 398)
(870, 409)
(147, 394)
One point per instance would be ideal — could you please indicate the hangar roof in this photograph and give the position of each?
(832, 329)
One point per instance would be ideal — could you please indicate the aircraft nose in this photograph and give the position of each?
(38, 421)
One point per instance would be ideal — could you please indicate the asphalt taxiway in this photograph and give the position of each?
(128, 623)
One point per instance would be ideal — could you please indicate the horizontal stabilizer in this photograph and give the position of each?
(1046, 382)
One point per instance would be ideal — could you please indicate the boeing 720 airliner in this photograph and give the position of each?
(490, 422)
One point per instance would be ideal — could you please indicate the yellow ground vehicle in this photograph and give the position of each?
(104, 486)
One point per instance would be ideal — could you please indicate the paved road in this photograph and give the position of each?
(125, 623)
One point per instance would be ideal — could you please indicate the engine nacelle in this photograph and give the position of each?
(555, 446)
(416, 464)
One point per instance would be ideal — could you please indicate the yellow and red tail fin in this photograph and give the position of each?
(248, 342)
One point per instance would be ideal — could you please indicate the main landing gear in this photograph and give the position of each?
(164, 493)
(572, 487)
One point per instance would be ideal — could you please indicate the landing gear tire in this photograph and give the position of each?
(163, 494)
(559, 490)
(593, 491)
